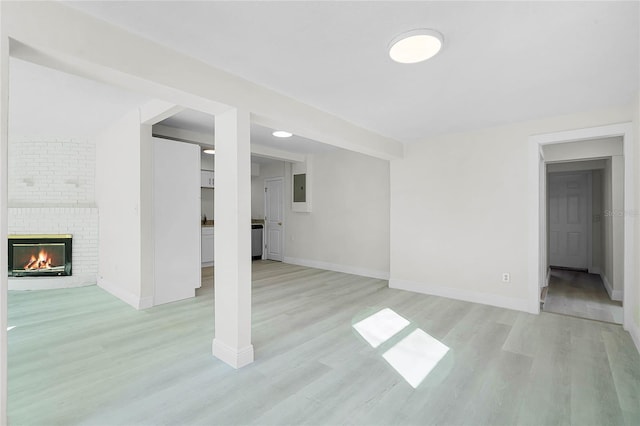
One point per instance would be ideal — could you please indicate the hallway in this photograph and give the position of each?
(582, 295)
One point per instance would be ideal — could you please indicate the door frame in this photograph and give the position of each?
(589, 175)
(282, 236)
(537, 209)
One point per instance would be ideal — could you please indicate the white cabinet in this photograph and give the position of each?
(176, 207)
(206, 246)
(207, 179)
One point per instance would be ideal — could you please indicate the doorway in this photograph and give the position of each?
(274, 218)
(584, 144)
(576, 233)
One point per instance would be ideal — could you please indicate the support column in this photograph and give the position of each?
(4, 211)
(232, 342)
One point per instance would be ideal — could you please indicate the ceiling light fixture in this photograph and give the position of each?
(282, 134)
(209, 151)
(415, 46)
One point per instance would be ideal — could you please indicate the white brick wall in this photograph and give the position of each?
(51, 173)
(81, 222)
(52, 191)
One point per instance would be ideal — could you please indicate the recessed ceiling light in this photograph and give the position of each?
(415, 46)
(209, 151)
(282, 134)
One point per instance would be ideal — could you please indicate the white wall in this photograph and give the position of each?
(597, 214)
(51, 172)
(635, 293)
(118, 170)
(607, 227)
(348, 228)
(459, 214)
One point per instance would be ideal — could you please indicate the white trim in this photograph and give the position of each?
(129, 298)
(276, 154)
(536, 254)
(536, 225)
(145, 302)
(630, 285)
(206, 264)
(237, 358)
(634, 331)
(465, 295)
(613, 294)
(355, 270)
(547, 279)
(589, 219)
(156, 110)
(50, 283)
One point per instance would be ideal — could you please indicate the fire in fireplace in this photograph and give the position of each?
(39, 255)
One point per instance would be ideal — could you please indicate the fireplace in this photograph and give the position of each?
(39, 255)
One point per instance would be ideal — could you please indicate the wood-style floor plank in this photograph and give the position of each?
(581, 295)
(81, 356)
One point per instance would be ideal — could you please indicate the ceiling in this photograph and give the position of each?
(49, 104)
(502, 62)
(204, 123)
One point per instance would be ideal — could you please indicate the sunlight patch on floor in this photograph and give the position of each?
(415, 356)
(380, 327)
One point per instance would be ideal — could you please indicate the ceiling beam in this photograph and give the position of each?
(277, 154)
(155, 111)
(48, 33)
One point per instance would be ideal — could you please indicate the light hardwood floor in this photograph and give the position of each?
(80, 356)
(582, 295)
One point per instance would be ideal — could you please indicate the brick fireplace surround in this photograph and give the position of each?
(52, 191)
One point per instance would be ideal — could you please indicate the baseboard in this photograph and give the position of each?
(634, 331)
(613, 294)
(206, 264)
(459, 294)
(50, 283)
(129, 298)
(145, 302)
(547, 279)
(234, 357)
(364, 272)
(595, 270)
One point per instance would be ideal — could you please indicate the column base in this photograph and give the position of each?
(237, 358)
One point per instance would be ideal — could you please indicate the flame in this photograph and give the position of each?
(43, 261)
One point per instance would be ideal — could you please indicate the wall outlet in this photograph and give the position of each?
(506, 277)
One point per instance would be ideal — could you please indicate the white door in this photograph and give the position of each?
(569, 220)
(176, 217)
(274, 217)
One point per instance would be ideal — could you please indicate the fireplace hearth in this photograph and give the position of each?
(40, 255)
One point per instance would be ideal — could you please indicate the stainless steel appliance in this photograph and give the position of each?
(256, 241)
